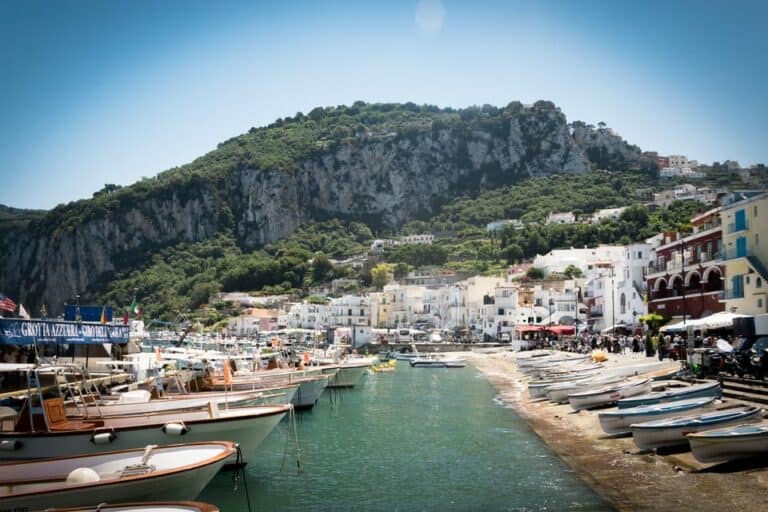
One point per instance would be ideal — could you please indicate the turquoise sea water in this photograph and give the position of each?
(416, 439)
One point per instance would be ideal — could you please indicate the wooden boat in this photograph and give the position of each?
(608, 394)
(147, 506)
(672, 431)
(618, 422)
(175, 472)
(45, 431)
(698, 390)
(729, 443)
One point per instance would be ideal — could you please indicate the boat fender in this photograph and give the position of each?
(10, 445)
(175, 429)
(103, 437)
(82, 476)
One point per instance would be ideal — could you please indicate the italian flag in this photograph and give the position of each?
(135, 309)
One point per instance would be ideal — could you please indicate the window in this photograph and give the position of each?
(746, 279)
(737, 285)
(623, 303)
(760, 303)
(754, 211)
(758, 283)
(501, 311)
(757, 239)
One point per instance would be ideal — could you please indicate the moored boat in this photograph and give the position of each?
(174, 472)
(46, 431)
(147, 506)
(608, 394)
(559, 392)
(697, 390)
(349, 373)
(618, 422)
(729, 443)
(672, 431)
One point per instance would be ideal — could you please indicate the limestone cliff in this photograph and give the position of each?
(381, 175)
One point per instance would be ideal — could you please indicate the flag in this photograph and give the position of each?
(6, 304)
(227, 373)
(135, 308)
(103, 318)
(23, 312)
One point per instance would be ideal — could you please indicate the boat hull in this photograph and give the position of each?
(247, 430)
(708, 448)
(348, 376)
(649, 435)
(618, 422)
(705, 390)
(309, 392)
(182, 484)
(606, 396)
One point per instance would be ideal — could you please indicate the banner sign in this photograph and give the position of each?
(87, 313)
(14, 331)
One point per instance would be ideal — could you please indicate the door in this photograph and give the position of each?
(741, 247)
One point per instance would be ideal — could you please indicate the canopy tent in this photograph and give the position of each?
(721, 320)
(561, 330)
(526, 328)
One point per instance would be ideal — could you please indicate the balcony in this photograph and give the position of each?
(733, 252)
(737, 227)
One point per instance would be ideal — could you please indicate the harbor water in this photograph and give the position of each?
(416, 439)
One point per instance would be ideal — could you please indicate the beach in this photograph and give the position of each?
(625, 477)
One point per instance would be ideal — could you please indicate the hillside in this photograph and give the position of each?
(382, 165)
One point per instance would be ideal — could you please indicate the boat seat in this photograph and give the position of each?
(57, 417)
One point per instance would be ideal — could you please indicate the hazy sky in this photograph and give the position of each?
(95, 92)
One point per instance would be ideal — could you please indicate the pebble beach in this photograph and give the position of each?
(627, 478)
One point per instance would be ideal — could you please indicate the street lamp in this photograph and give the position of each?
(576, 291)
(613, 305)
(551, 303)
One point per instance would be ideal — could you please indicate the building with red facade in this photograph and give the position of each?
(686, 276)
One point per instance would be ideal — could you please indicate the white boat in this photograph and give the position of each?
(107, 407)
(729, 443)
(618, 422)
(559, 392)
(311, 384)
(608, 394)
(146, 506)
(427, 363)
(672, 431)
(349, 373)
(47, 432)
(455, 363)
(174, 472)
(697, 390)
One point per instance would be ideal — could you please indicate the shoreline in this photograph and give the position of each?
(626, 478)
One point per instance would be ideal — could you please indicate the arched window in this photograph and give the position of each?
(623, 303)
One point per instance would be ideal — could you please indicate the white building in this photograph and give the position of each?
(378, 245)
(304, 315)
(350, 310)
(607, 213)
(678, 161)
(561, 218)
(418, 239)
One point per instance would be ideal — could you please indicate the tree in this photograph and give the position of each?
(380, 275)
(572, 271)
(535, 273)
(321, 267)
(513, 253)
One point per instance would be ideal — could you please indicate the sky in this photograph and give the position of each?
(110, 91)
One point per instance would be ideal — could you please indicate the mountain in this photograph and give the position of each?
(380, 164)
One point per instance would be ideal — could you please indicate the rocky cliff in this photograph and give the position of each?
(373, 169)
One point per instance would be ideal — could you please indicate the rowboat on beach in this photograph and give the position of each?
(698, 390)
(608, 394)
(730, 443)
(672, 431)
(558, 393)
(174, 472)
(618, 422)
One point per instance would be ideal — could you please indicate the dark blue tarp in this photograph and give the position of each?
(14, 331)
(87, 313)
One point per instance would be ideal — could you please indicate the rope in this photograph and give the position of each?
(296, 439)
(239, 473)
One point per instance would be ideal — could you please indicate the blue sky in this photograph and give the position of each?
(95, 92)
